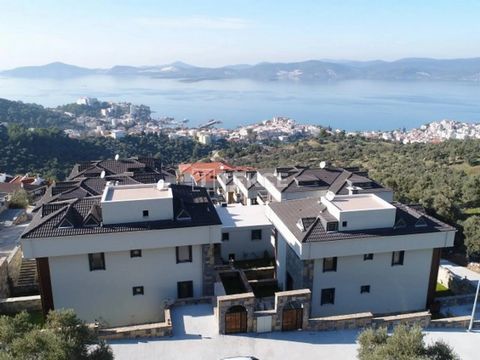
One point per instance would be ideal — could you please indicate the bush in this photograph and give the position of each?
(19, 199)
(63, 337)
(406, 343)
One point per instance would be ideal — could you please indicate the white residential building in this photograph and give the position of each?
(246, 232)
(121, 258)
(358, 253)
(298, 182)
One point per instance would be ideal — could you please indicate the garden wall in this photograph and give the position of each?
(160, 329)
(15, 305)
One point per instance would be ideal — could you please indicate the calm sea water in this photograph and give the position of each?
(350, 105)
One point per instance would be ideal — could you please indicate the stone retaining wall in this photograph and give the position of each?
(17, 304)
(139, 331)
(341, 322)
(421, 318)
(453, 322)
(9, 271)
(15, 263)
(4, 284)
(453, 282)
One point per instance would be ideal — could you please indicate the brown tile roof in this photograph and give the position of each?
(290, 212)
(45, 223)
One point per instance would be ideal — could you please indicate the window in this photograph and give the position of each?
(256, 234)
(96, 261)
(367, 257)
(254, 201)
(332, 226)
(184, 254)
(137, 290)
(344, 224)
(397, 257)
(136, 253)
(65, 224)
(185, 289)
(364, 289)
(231, 257)
(145, 213)
(400, 224)
(330, 264)
(328, 296)
(421, 222)
(225, 236)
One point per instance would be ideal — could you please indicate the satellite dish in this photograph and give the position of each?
(330, 195)
(160, 184)
(323, 164)
(102, 174)
(117, 157)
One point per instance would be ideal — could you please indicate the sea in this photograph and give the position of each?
(350, 105)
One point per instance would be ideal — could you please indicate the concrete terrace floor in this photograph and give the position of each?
(195, 337)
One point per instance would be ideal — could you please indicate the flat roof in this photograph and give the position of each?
(359, 202)
(238, 215)
(135, 192)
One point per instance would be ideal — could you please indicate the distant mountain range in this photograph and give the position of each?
(312, 70)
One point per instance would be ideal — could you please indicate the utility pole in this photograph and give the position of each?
(470, 326)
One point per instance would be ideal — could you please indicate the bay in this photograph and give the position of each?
(349, 105)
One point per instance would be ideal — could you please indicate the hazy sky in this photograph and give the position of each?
(102, 33)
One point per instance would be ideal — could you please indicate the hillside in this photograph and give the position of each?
(30, 115)
(312, 70)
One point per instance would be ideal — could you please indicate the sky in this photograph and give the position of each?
(103, 33)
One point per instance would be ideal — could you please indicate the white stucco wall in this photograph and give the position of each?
(241, 244)
(303, 194)
(107, 294)
(118, 212)
(392, 288)
(121, 241)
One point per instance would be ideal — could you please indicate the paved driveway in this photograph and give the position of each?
(10, 237)
(195, 337)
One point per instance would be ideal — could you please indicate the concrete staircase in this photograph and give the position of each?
(27, 282)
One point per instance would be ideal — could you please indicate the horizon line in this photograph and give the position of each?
(337, 61)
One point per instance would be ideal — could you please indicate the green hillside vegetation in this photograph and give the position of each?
(31, 115)
(52, 154)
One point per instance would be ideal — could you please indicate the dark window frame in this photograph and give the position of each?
(258, 233)
(400, 260)
(136, 253)
(327, 296)
(333, 267)
(138, 290)
(190, 285)
(365, 289)
(225, 236)
(91, 262)
(344, 223)
(189, 260)
(146, 213)
(368, 256)
(332, 226)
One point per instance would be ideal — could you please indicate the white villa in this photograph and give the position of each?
(120, 248)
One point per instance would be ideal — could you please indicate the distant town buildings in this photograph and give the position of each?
(436, 131)
(122, 119)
